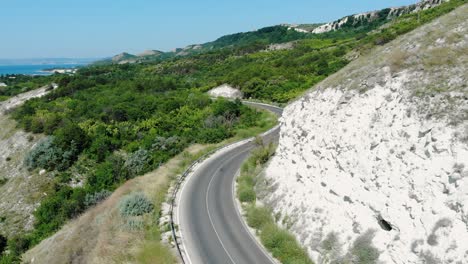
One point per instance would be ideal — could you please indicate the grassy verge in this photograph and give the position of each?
(277, 240)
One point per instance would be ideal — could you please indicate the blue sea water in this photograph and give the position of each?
(34, 69)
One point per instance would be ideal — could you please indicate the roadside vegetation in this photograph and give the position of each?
(282, 244)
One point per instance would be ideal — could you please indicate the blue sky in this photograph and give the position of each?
(100, 28)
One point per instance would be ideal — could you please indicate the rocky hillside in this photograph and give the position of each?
(20, 189)
(362, 19)
(372, 164)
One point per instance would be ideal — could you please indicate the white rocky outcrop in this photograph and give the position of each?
(150, 53)
(370, 16)
(226, 91)
(379, 153)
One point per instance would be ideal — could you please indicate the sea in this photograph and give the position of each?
(38, 66)
(32, 69)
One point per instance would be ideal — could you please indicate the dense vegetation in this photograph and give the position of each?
(265, 36)
(113, 122)
(17, 84)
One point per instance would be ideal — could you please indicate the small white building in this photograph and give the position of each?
(3, 84)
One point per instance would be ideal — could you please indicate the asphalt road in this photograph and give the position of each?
(212, 231)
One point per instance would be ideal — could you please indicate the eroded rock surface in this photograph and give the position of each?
(379, 153)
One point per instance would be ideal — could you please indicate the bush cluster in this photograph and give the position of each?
(58, 151)
(283, 245)
(49, 156)
(363, 250)
(95, 198)
(135, 205)
(138, 162)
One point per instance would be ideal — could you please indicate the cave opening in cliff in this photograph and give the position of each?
(385, 225)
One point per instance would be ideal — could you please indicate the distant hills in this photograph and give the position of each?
(253, 39)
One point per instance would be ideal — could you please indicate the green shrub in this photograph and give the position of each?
(246, 194)
(3, 244)
(49, 155)
(97, 197)
(245, 188)
(58, 206)
(257, 217)
(3, 181)
(363, 250)
(107, 175)
(134, 223)
(18, 245)
(263, 154)
(43, 154)
(138, 162)
(134, 205)
(283, 245)
(8, 259)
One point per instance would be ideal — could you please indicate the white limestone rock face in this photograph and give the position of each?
(374, 148)
(373, 15)
(226, 91)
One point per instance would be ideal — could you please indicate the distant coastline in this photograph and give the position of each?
(37, 69)
(42, 66)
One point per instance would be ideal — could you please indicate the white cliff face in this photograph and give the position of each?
(370, 16)
(365, 155)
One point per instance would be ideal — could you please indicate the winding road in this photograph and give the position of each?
(210, 227)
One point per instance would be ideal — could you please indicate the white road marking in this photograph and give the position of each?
(208, 210)
(185, 182)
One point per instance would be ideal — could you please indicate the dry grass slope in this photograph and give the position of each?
(100, 235)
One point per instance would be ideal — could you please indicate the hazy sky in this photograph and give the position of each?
(100, 28)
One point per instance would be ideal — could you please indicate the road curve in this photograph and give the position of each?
(210, 227)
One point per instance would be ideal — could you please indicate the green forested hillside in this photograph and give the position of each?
(242, 60)
(109, 123)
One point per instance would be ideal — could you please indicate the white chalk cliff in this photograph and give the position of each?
(373, 15)
(376, 156)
